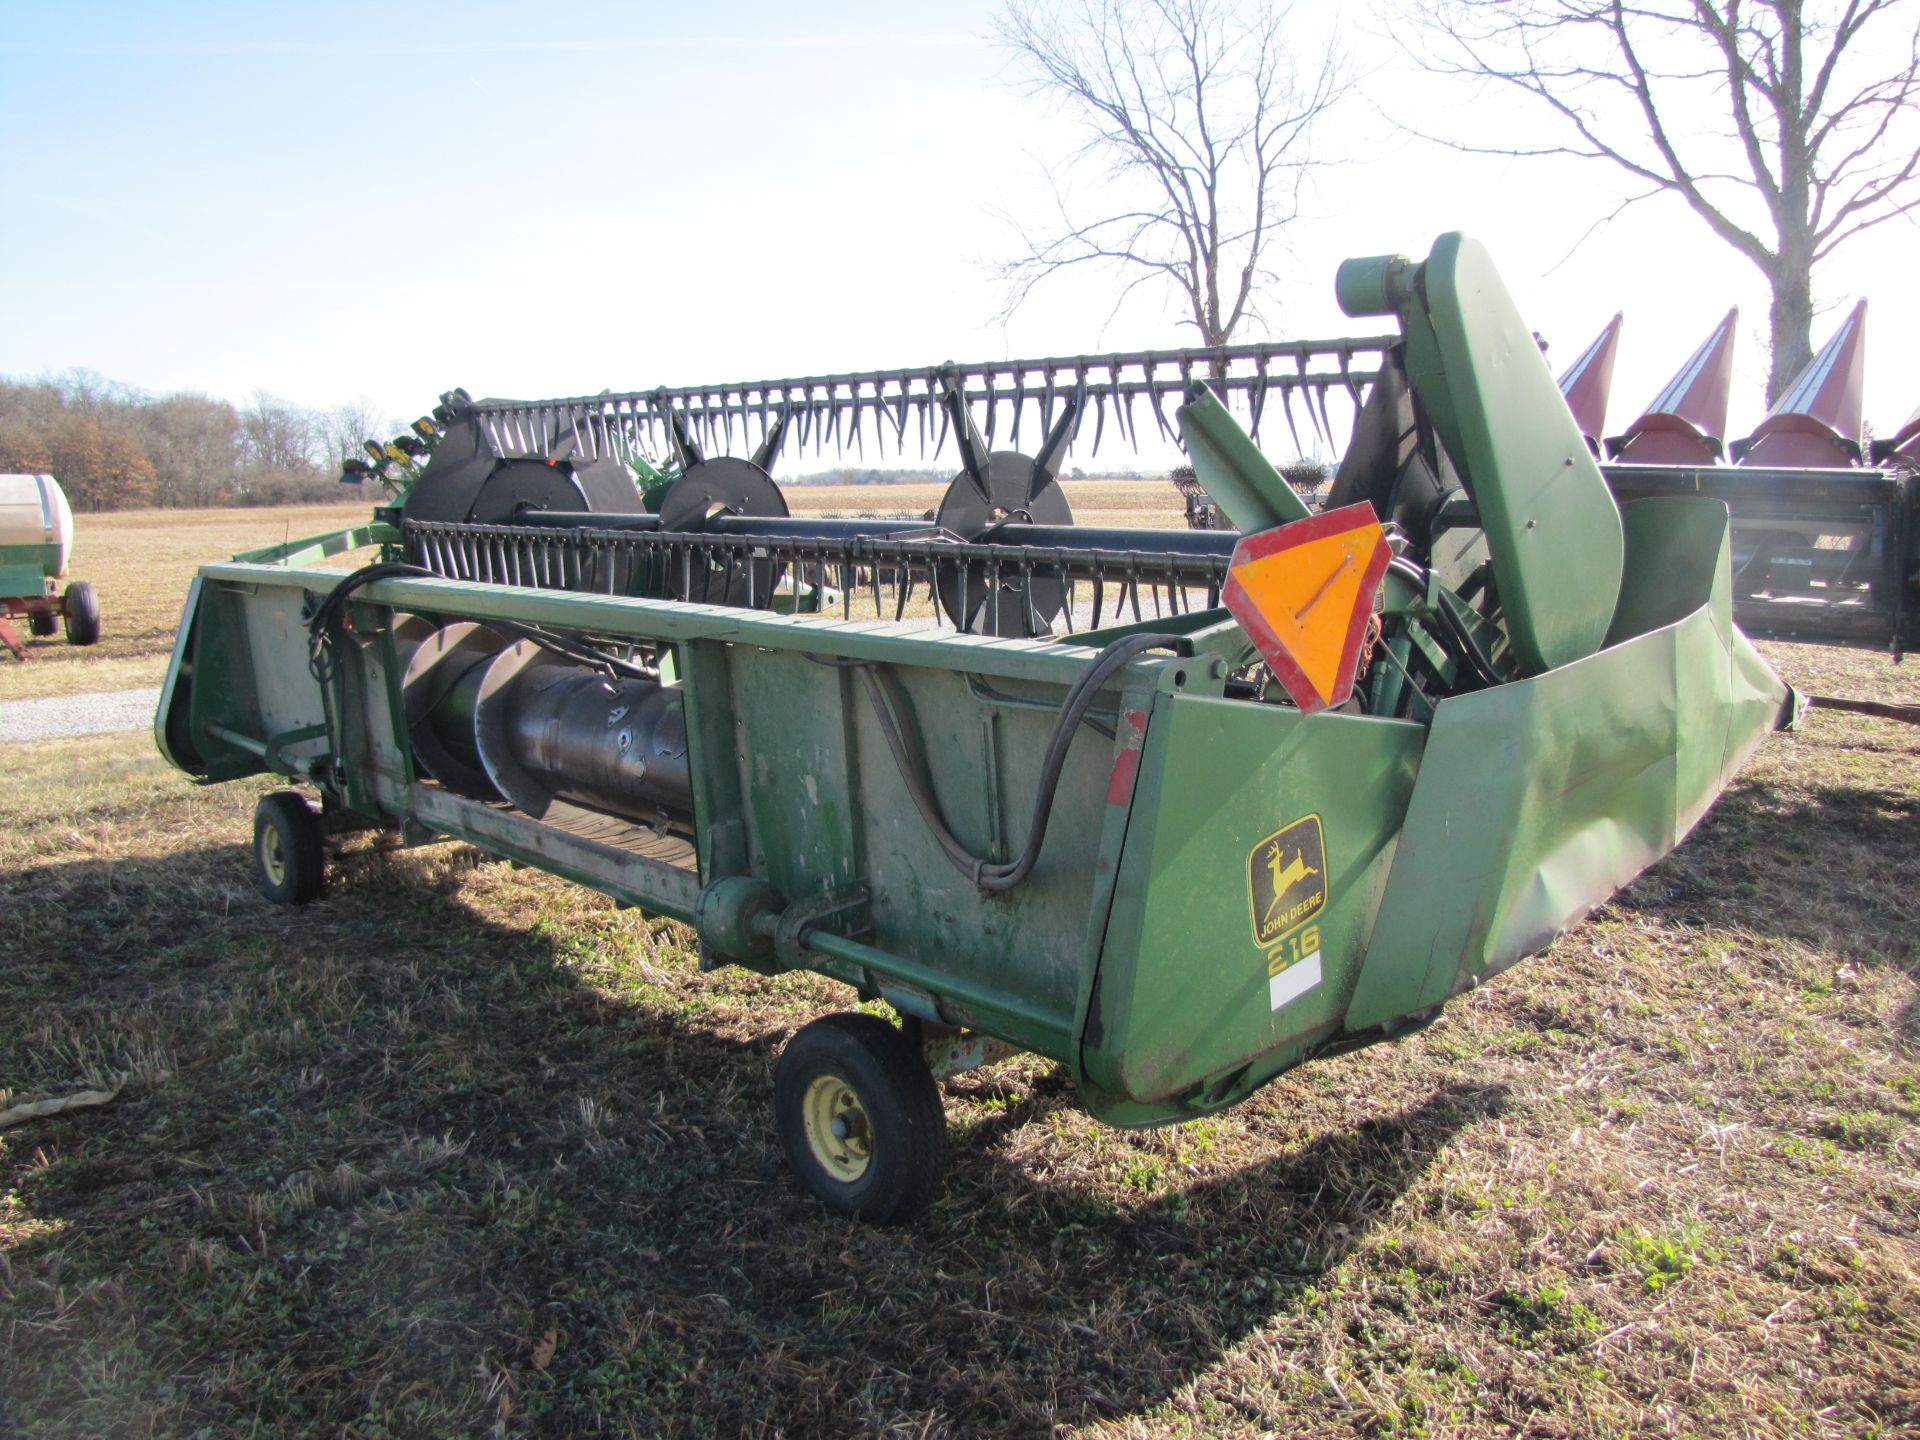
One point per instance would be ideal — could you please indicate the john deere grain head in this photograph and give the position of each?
(1180, 809)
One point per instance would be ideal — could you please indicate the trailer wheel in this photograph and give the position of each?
(860, 1118)
(43, 622)
(83, 614)
(288, 862)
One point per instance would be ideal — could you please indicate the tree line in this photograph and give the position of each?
(112, 446)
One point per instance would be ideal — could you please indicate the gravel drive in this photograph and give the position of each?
(60, 717)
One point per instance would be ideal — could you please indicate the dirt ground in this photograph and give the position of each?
(465, 1150)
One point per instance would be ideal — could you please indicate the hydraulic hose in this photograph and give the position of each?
(327, 615)
(998, 877)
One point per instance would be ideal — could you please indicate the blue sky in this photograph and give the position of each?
(342, 202)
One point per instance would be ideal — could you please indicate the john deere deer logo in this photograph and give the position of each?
(1286, 882)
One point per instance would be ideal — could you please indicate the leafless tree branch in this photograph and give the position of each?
(1204, 120)
(1822, 98)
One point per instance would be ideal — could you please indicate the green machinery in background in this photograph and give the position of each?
(36, 542)
(1178, 816)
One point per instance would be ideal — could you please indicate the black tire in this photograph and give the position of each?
(894, 1109)
(83, 614)
(289, 864)
(43, 622)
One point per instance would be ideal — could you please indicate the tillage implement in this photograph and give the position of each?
(1177, 809)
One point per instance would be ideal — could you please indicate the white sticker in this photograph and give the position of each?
(1294, 981)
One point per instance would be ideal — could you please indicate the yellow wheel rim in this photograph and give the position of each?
(837, 1130)
(273, 859)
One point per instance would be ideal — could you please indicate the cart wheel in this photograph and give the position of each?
(860, 1117)
(288, 863)
(83, 614)
(43, 622)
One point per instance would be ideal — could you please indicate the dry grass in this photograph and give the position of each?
(466, 1150)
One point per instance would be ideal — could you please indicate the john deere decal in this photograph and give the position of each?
(1286, 879)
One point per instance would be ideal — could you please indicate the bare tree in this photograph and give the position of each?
(278, 434)
(194, 443)
(1788, 127)
(1203, 121)
(345, 428)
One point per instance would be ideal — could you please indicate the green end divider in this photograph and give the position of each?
(1249, 491)
(320, 547)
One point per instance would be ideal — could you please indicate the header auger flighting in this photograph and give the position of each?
(1179, 809)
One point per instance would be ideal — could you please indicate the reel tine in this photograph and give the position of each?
(1257, 391)
(1300, 368)
(1159, 413)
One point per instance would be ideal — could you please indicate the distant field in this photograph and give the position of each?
(1094, 502)
(140, 562)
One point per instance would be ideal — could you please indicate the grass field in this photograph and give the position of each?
(464, 1150)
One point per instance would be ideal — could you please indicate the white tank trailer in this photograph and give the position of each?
(36, 542)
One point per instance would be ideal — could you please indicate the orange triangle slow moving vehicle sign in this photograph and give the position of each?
(1304, 594)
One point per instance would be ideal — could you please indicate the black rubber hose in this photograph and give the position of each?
(326, 617)
(990, 876)
(1455, 629)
